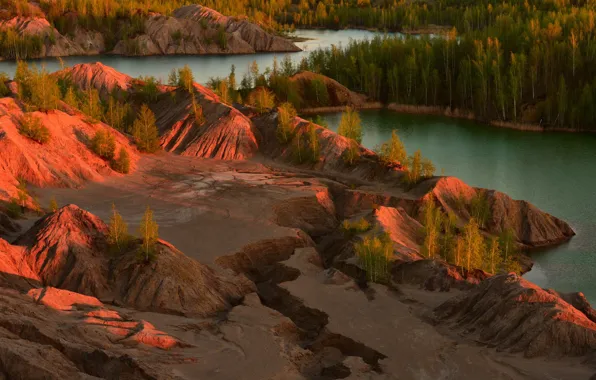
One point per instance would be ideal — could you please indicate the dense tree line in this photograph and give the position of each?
(549, 82)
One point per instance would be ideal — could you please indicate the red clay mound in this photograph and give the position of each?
(96, 75)
(224, 134)
(65, 160)
(68, 250)
(513, 314)
(532, 227)
(338, 94)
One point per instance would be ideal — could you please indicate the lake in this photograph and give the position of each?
(204, 66)
(554, 171)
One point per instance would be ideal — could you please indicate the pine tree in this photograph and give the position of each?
(432, 222)
(149, 234)
(473, 245)
(350, 126)
(145, 131)
(393, 150)
(285, 122)
(53, 205)
(118, 236)
(313, 142)
(493, 258)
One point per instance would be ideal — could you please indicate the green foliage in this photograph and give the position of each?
(53, 206)
(374, 255)
(118, 236)
(145, 131)
(417, 168)
(222, 38)
(14, 45)
(148, 231)
(37, 88)
(122, 163)
(313, 143)
(432, 222)
(23, 195)
(4, 91)
(356, 227)
(480, 208)
(118, 115)
(91, 104)
(392, 150)
(261, 99)
(350, 126)
(286, 113)
(33, 128)
(103, 144)
(317, 92)
(149, 88)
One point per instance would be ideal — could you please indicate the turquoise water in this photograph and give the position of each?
(205, 66)
(554, 171)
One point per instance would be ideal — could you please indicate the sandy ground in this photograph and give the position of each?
(209, 208)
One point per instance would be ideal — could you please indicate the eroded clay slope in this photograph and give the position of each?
(513, 314)
(68, 249)
(65, 160)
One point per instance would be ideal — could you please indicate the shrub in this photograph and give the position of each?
(285, 122)
(356, 227)
(103, 144)
(374, 255)
(393, 150)
(262, 99)
(122, 163)
(33, 128)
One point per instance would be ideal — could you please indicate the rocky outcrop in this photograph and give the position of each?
(56, 334)
(7, 225)
(337, 94)
(54, 44)
(192, 29)
(531, 226)
(512, 314)
(68, 250)
(65, 160)
(436, 275)
(195, 29)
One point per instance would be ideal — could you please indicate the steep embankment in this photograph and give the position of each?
(192, 29)
(65, 160)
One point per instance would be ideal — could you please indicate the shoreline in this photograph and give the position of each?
(445, 112)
